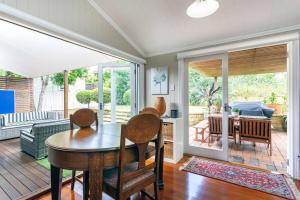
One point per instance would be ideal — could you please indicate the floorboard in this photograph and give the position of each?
(181, 185)
(20, 175)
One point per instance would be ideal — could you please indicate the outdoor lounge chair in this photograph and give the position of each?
(215, 127)
(256, 130)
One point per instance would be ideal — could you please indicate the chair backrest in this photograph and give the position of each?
(83, 118)
(150, 110)
(140, 130)
(215, 125)
(256, 128)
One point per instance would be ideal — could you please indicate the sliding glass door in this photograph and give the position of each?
(208, 108)
(117, 92)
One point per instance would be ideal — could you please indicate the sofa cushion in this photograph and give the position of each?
(50, 125)
(13, 118)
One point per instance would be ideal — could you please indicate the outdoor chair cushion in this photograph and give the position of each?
(253, 108)
(252, 112)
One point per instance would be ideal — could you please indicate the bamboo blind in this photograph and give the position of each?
(262, 60)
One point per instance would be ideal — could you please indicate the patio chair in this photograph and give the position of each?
(256, 130)
(215, 127)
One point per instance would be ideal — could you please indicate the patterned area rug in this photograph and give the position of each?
(274, 184)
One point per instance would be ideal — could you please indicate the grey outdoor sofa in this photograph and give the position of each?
(11, 124)
(33, 139)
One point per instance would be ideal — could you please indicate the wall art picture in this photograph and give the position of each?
(159, 80)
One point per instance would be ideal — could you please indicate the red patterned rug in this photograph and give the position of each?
(274, 184)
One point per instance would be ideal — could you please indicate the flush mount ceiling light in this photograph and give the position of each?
(202, 8)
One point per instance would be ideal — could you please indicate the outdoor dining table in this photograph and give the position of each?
(87, 150)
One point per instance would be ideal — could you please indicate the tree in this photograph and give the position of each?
(106, 95)
(85, 97)
(122, 85)
(73, 75)
(44, 82)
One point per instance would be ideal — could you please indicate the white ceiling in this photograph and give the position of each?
(33, 54)
(160, 26)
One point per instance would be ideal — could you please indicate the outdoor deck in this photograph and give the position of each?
(258, 155)
(20, 175)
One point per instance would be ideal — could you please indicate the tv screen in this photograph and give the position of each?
(7, 101)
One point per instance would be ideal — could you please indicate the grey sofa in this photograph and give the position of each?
(33, 139)
(11, 124)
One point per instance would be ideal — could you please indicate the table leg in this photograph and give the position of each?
(95, 175)
(85, 185)
(161, 169)
(196, 134)
(202, 133)
(56, 182)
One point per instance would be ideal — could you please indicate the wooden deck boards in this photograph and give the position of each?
(20, 175)
(248, 154)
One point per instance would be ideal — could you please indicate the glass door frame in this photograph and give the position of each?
(133, 86)
(221, 154)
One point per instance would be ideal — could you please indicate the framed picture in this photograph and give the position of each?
(160, 80)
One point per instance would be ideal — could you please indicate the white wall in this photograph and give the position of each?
(75, 15)
(169, 60)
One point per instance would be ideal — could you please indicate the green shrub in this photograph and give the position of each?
(85, 97)
(127, 97)
(106, 95)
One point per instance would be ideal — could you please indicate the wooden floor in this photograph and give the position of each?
(248, 154)
(180, 185)
(19, 173)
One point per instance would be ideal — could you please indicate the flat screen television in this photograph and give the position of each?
(7, 101)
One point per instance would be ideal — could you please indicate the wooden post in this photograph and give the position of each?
(66, 92)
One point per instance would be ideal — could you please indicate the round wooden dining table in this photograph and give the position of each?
(89, 150)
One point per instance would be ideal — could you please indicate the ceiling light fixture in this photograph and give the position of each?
(202, 8)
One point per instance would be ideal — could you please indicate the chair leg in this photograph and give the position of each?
(156, 193)
(73, 179)
(270, 148)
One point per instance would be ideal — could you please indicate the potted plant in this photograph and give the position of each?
(235, 111)
(284, 122)
(272, 102)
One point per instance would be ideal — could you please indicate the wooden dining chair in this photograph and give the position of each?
(83, 118)
(151, 150)
(150, 110)
(215, 127)
(129, 178)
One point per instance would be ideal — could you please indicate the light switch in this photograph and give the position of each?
(172, 87)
